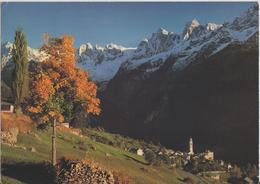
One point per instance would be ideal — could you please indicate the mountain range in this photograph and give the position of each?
(200, 83)
(104, 62)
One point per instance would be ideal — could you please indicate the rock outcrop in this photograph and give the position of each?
(10, 136)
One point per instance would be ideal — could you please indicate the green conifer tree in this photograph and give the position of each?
(20, 72)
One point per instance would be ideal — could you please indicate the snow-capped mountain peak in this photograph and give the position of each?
(194, 23)
(162, 31)
(84, 47)
(213, 26)
(190, 26)
(160, 41)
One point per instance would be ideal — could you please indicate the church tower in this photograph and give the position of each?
(191, 147)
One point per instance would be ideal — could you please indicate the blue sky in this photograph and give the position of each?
(102, 23)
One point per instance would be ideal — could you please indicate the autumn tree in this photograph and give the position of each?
(20, 59)
(59, 86)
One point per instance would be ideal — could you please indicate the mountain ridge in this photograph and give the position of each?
(104, 62)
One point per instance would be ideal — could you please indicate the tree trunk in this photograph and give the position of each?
(18, 109)
(54, 143)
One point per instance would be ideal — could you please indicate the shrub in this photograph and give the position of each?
(43, 126)
(150, 156)
(103, 140)
(165, 159)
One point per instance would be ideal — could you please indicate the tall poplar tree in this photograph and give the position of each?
(20, 72)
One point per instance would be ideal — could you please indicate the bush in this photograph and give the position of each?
(103, 140)
(43, 126)
(150, 156)
(165, 159)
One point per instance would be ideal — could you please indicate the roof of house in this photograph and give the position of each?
(6, 103)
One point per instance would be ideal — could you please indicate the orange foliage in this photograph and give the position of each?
(58, 73)
(34, 109)
(43, 87)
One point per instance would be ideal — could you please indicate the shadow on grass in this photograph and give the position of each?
(187, 180)
(31, 173)
(134, 159)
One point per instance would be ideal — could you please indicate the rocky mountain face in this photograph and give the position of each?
(204, 86)
(102, 62)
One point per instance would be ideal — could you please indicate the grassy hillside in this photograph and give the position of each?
(28, 166)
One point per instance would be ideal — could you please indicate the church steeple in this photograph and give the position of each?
(191, 147)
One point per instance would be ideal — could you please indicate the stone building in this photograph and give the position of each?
(140, 152)
(209, 155)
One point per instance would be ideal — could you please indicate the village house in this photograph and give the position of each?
(140, 152)
(249, 180)
(229, 167)
(7, 107)
(209, 155)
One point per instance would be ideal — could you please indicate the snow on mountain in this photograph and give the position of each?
(160, 41)
(196, 40)
(189, 28)
(98, 54)
(199, 40)
(6, 55)
(162, 44)
(212, 26)
(102, 62)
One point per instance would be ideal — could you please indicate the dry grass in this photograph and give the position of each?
(121, 177)
(11, 120)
